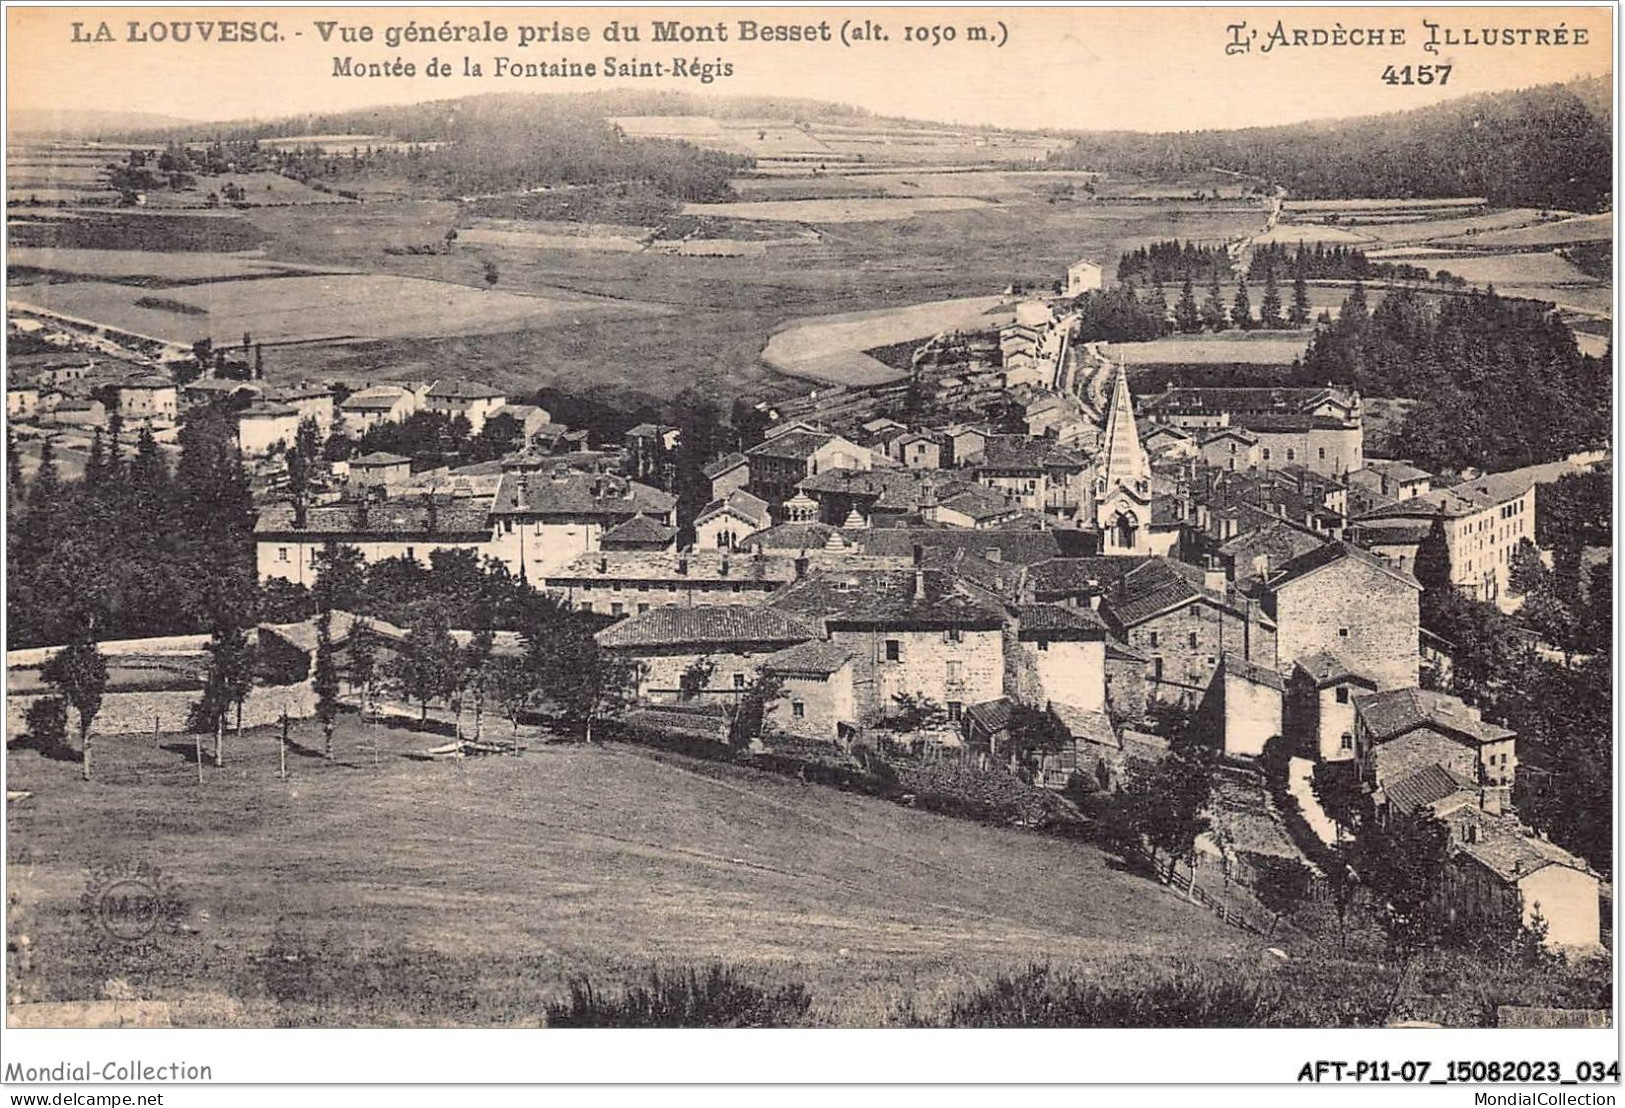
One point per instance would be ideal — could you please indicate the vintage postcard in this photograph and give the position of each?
(810, 517)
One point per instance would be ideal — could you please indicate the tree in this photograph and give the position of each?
(1402, 863)
(1187, 316)
(1282, 885)
(363, 658)
(696, 678)
(302, 459)
(326, 681)
(1300, 302)
(492, 275)
(1432, 566)
(341, 577)
(47, 722)
(429, 665)
(1213, 313)
(1160, 809)
(585, 682)
(915, 712)
(229, 681)
(1525, 571)
(1033, 733)
(476, 657)
(1269, 309)
(1241, 309)
(79, 673)
(748, 713)
(510, 682)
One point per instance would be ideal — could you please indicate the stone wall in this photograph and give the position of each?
(134, 713)
(1357, 611)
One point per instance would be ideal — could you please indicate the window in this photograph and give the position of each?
(1347, 741)
(1266, 453)
(586, 605)
(1342, 632)
(1342, 694)
(642, 608)
(1323, 453)
(956, 672)
(1291, 454)
(953, 634)
(410, 556)
(281, 553)
(1156, 669)
(1192, 640)
(614, 586)
(1154, 637)
(798, 709)
(1232, 448)
(617, 608)
(894, 650)
(1043, 644)
(955, 710)
(739, 680)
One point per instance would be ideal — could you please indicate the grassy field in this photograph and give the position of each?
(1585, 228)
(472, 891)
(1227, 348)
(853, 210)
(302, 309)
(831, 348)
(146, 266)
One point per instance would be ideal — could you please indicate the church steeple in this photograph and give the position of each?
(1126, 465)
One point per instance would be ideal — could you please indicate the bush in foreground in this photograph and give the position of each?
(714, 997)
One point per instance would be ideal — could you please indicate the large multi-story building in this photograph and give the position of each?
(1483, 521)
(1321, 429)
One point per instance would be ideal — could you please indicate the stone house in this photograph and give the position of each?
(632, 582)
(148, 398)
(1320, 706)
(263, 428)
(921, 632)
(1400, 731)
(311, 401)
(726, 474)
(1341, 599)
(728, 520)
(736, 640)
(366, 409)
(818, 691)
(541, 522)
(1498, 870)
(1060, 656)
(409, 528)
(1242, 707)
(1483, 522)
(781, 462)
(1183, 620)
(916, 450)
(380, 469)
(470, 399)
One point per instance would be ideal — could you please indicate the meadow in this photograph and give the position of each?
(831, 348)
(470, 893)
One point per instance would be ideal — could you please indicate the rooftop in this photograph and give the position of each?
(456, 389)
(639, 529)
(670, 566)
(380, 458)
(418, 517)
(1056, 621)
(1390, 714)
(746, 505)
(1330, 554)
(796, 445)
(815, 658)
(708, 626)
(578, 494)
(1326, 669)
(1425, 787)
(891, 598)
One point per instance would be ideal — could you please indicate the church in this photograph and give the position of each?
(1122, 489)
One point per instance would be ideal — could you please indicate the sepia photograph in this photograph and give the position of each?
(888, 518)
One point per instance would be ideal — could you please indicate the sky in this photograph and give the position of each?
(1155, 69)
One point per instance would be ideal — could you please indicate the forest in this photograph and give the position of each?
(1546, 147)
(1498, 382)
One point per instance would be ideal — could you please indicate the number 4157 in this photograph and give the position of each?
(1417, 75)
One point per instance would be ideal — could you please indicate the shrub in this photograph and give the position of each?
(715, 997)
(48, 724)
(1039, 997)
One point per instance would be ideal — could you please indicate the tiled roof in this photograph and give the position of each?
(640, 528)
(1055, 621)
(1026, 452)
(898, 489)
(797, 445)
(147, 381)
(1390, 714)
(722, 625)
(1237, 666)
(1325, 669)
(1331, 553)
(1495, 488)
(380, 458)
(1401, 472)
(880, 598)
(747, 506)
(671, 566)
(1510, 852)
(1024, 547)
(1157, 586)
(817, 658)
(1399, 534)
(724, 464)
(976, 502)
(1080, 576)
(578, 494)
(1142, 746)
(463, 390)
(1094, 727)
(267, 411)
(1118, 649)
(1277, 540)
(797, 536)
(1192, 399)
(406, 518)
(1426, 786)
(375, 399)
(991, 715)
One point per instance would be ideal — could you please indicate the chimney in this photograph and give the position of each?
(919, 583)
(801, 565)
(603, 564)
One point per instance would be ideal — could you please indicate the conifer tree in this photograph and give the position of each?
(1187, 317)
(1300, 301)
(1241, 308)
(1269, 309)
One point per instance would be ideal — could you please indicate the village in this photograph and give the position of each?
(1013, 564)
